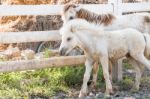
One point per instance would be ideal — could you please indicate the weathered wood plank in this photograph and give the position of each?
(11, 66)
(134, 7)
(33, 36)
(13, 10)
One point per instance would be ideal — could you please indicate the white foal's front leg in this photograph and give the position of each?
(104, 61)
(84, 90)
(95, 73)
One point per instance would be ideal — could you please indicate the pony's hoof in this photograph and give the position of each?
(107, 96)
(92, 87)
(109, 92)
(82, 95)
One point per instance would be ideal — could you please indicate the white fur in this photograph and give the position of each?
(135, 21)
(100, 45)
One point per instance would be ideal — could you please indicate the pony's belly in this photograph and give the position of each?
(117, 54)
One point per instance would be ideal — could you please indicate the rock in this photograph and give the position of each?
(118, 94)
(27, 54)
(12, 52)
(130, 71)
(60, 96)
(16, 58)
(89, 97)
(3, 57)
(128, 98)
(91, 94)
(100, 95)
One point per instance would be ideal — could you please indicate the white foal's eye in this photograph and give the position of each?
(71, 18)
(69, 39)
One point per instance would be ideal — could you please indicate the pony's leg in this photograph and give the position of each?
(110, 70)
(141, 59)
(136, 65)
(104, 61)
(95, 73)
(86, 78)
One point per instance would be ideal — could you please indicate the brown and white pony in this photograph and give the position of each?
(139, 21)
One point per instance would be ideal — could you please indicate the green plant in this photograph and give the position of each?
(46, 82)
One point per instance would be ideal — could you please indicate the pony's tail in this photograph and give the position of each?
(147, 47)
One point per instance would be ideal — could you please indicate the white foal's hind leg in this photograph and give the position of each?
(86, 78)
(104, 61)
(141, 59)
(136, 65)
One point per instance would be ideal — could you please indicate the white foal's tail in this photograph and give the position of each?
(147, 48)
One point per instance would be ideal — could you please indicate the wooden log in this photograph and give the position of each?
(11, 66)
(22, 37)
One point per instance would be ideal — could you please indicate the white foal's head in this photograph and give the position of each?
(69, 40)
(76, 33)
(69, 12)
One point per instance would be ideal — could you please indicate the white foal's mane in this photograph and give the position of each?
(75, 25)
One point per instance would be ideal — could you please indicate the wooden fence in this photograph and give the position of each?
(113, 6)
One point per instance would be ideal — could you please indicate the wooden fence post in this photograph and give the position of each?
(117, 65)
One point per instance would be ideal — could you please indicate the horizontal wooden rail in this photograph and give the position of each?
(13, 10)
(134, 7)
(99, 8)
(11, 66)
(36, 36)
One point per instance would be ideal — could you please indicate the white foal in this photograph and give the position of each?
(139, 21)
(102, 46)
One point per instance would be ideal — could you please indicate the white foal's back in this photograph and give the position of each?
(120, 42)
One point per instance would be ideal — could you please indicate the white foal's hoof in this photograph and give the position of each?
(82, 95)
(107, 96)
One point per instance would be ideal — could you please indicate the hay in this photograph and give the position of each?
(34, 23)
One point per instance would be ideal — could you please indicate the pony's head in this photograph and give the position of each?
(72, 11)
(69, 39)
(76, 33)
(69, 12)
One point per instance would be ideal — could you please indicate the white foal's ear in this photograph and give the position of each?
(72, 29)
(77, 7)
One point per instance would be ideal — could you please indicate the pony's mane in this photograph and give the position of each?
(67, 7)
(147, 19)
(105, 19)
(81, 25)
